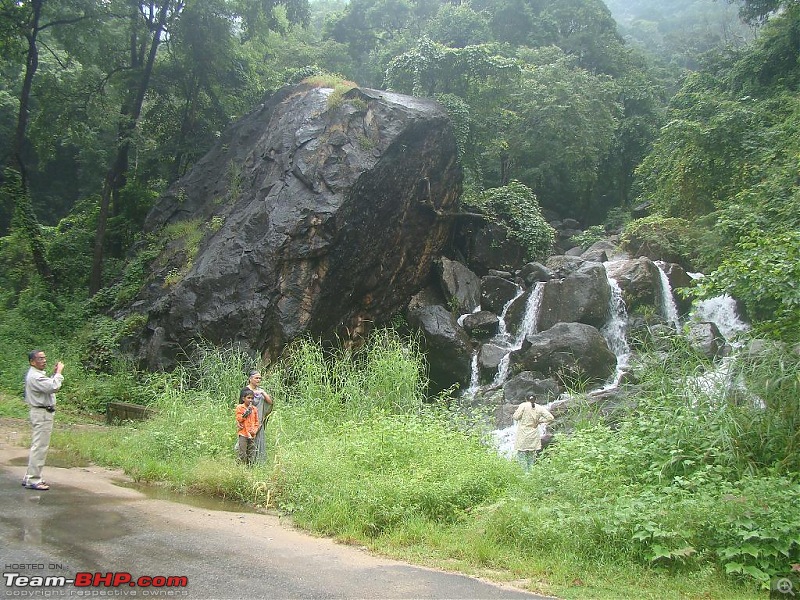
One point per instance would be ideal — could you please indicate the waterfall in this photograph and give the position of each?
(528, 326)
(720, 380)
(667, 299)
(615, 331)
(504, 440)
(720, 310)
(474, 379)
(503, 338)
(503, 327)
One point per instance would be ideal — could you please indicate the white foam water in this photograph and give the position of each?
(667, 299)
(615, 332)
(720, 310)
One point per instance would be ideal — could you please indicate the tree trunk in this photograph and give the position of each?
(24, 213)
(116, 178)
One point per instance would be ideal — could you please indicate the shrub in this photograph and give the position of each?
(589, 236)
(515, 207)
(661, 238)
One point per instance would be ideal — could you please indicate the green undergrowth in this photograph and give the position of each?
(690, 496)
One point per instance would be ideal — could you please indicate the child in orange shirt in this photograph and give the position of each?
(248, 424)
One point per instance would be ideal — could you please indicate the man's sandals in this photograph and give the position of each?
(41, 486)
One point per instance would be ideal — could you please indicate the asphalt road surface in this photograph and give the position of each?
(109, 540)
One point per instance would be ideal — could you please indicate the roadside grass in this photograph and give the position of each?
(657, 508)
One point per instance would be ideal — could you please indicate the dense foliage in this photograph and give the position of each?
(516, 209)
(105, 104)
(709, 473)
(728, 155)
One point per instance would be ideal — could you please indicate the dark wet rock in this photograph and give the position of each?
(533, 271)
(561, 265)
(306, 217)
(481, 325)
(489, 357)
(461, 287)
(611, 250)
(583, 297)
(496, 292)
(527, 383)
(446, 344)
(706, 338)
(639, 280)
(598, 256)
(567, 351)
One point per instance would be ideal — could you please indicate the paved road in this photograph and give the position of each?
(87, 523)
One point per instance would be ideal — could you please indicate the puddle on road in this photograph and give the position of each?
(151, 491)
(196, 501)
(67, 515)
(53, 460)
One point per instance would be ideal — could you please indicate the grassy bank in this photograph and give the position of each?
(689, 497)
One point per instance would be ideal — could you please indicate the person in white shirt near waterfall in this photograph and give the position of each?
(528, 441)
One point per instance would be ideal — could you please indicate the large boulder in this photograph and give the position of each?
(496, 292)
(312, 214)
(461, 287)
(582, 297)
(706, 339)
(481, 325)
(639, 280)
(447, 346)
(567, 351)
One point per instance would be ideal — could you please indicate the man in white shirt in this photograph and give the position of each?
(40, 394)
(528, 441)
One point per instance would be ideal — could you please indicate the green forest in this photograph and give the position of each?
(674, 123)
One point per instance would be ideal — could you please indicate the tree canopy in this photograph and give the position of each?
(105, 104)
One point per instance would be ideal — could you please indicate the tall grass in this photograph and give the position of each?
(686, 496)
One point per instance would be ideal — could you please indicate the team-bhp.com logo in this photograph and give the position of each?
(17, 583)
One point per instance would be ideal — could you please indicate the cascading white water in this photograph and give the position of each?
(720, 310)
(504, 438)
(719, 381)
(502, 330)
(528, 326)
(474, 379)
(667, 299)
(504, 339)
(615, 333)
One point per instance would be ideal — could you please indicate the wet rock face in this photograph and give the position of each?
(639, 281)
(444, 341)
(572, 349)
(582, 297)
(314, 216)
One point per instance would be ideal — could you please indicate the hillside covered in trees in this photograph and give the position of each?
(674, 125)
(105, 104)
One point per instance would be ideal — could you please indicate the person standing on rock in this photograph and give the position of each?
(40, 395)
(528, 441)
(263, 403)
